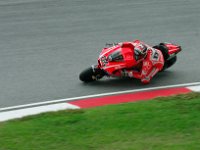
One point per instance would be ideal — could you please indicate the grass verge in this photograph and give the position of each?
(171, 123)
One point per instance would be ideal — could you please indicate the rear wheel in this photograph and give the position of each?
(171, 61)
(91, 74)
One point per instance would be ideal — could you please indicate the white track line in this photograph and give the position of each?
(97, 95)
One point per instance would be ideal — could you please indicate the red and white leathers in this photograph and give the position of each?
(148, 66)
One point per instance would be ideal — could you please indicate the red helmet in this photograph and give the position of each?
(140, 51)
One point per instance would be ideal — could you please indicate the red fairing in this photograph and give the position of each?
(173, 48)
(116, 58)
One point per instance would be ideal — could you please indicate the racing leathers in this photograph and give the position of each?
(148, 66)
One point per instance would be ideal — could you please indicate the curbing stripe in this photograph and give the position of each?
(194, 88)
(14, 114)
(135, 96)
(130, 97)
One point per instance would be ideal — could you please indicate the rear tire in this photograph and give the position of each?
(91, 74)
(171, 61)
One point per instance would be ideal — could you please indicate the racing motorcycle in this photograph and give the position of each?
(114, 58)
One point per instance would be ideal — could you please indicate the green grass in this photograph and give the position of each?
(171, 123)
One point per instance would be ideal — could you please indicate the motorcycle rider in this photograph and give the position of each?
(149, 61)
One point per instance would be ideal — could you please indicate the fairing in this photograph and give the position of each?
(115, 58)
(172, 48)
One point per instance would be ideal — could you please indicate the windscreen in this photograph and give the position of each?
(116, 56)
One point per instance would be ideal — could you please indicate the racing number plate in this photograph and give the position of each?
(104, 60)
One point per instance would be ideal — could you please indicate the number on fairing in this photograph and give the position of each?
(155, 55)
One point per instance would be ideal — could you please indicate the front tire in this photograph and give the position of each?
(91, 74)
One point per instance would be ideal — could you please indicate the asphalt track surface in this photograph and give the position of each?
(45, 44)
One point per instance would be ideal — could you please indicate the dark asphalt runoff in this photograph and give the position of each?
(45, 44)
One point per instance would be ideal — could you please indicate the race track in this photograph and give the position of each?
(45, 44)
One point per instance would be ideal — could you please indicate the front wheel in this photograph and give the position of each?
(91, 74)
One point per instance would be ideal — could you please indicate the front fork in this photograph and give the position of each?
(95, 67)
(98, 72)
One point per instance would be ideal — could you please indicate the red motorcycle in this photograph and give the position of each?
(114, 57)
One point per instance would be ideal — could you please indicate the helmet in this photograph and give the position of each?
(140, 51)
